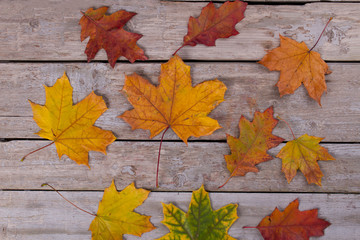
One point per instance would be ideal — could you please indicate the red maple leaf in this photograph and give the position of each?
(214, 23)
(292, 224)
(107, 32)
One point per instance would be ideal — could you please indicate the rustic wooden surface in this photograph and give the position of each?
(39, 41)
(32, 30)
(43, 215)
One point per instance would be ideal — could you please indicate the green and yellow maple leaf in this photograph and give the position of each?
(201, 222)
(303, 153)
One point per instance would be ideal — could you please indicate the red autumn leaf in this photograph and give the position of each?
(106, 31)
(214, 23)
(292, 224)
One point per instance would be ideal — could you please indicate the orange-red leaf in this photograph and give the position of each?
(107, 32)
(70, 126)
(303, 153)
(255, 139)
(292, 224)
(174, 102)
(297, 65)
(214, 23)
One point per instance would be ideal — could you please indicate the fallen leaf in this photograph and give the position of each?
(250, 148)
(116, 217)
(107, 32)
(214, 23)
(70, 126)
(292, 224)
(297, 64)
(303, 153)
(201, 221)
(173, 103)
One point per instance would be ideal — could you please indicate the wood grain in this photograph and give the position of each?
(182, 168)
(268, 1)
(250, 87)
(44, 215)
(38, 30)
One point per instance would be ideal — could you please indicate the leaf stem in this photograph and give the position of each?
(227, 180)
(278, 117)
(178, 49)
(249, 227)
(158, 163)
(46, 184)
(36, 150)
(321, 34)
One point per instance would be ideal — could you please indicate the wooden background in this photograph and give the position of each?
(39, 40)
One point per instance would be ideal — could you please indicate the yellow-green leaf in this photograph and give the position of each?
(201, 222)
(303, 153)
(116, 217)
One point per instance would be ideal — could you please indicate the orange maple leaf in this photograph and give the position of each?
(303, 153)
(214, 23)
(292, 224)
(250, 148)
(297, 64)
(174, 103)
(70, 126)
(107, 32)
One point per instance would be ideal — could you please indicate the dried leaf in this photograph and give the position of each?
(297, 64)
(174, 102)
(201, 221)
(303, 153)
(71, 126)
(107, 32)
(250, 148)
(116, 217)
(214, 23)
(292, 224)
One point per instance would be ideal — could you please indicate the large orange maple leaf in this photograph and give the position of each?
(250, 148)
(174, 102)
(292, 224)
(70, 126)
(107, 32)
(214, 23)
(297, 64)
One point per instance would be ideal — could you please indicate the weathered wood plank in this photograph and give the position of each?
(38, 30)
(267, 1)
(182, 168)
(44, 215)
(336, 120)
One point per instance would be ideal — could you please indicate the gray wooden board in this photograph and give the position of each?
(49, 30)
(44, 215)
(337, 120)
(267, 1)
(182, 168)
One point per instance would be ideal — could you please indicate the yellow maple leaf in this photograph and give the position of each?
(174, 102)
(303, 153)
(70, 126)
(116, 217)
